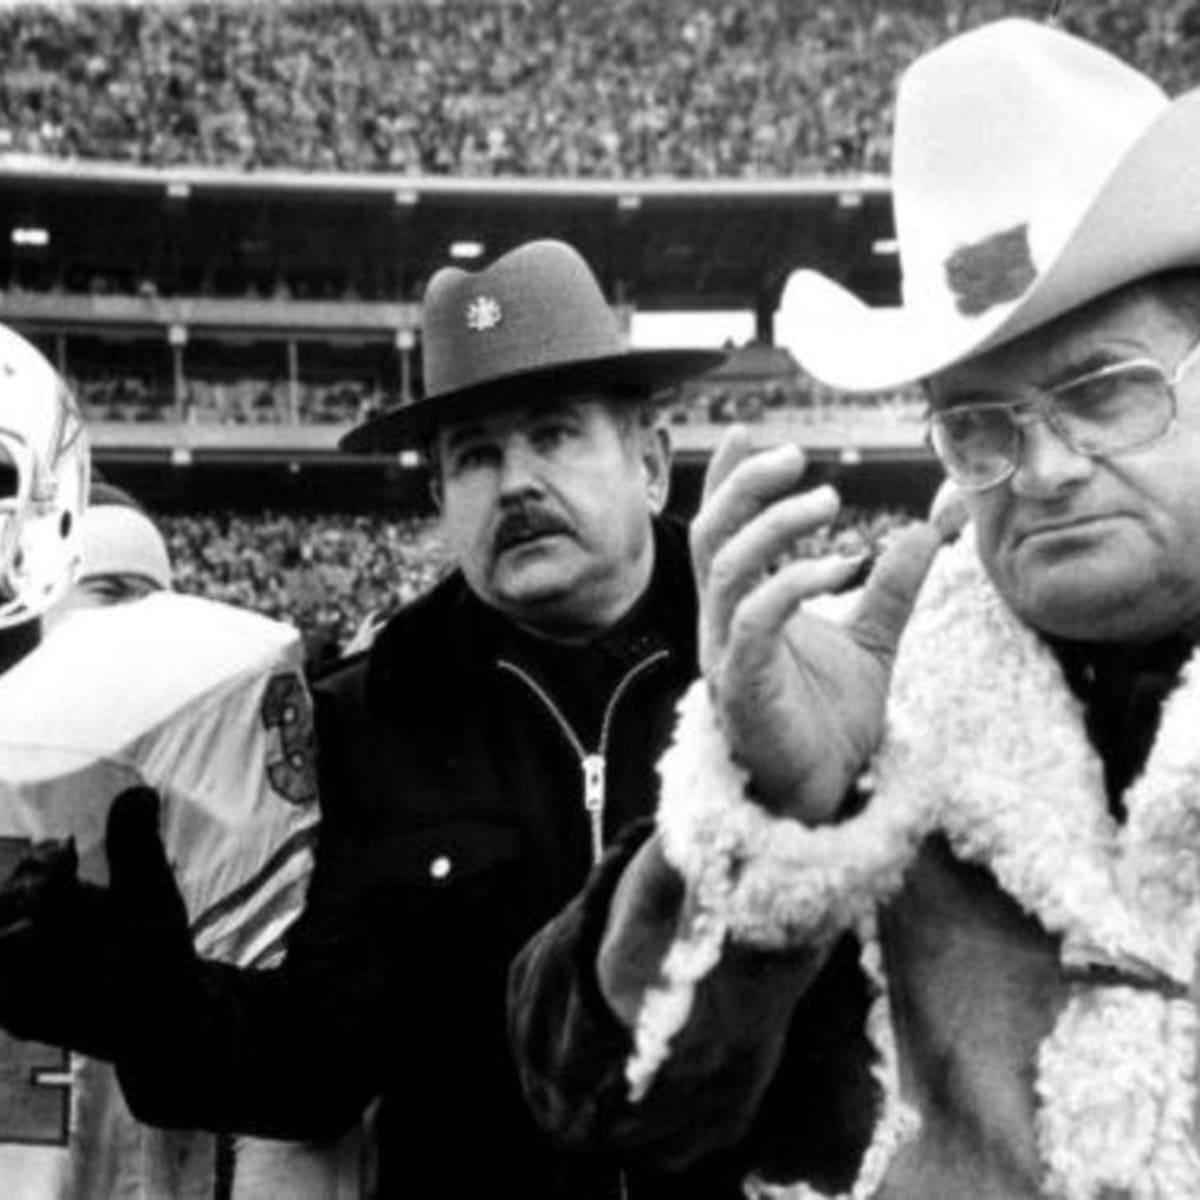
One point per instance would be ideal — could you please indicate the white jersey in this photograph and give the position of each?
(205, 703)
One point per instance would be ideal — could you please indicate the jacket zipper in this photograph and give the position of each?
(593, 765)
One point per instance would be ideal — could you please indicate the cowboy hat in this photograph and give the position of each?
(532, 325)
(1031, 172)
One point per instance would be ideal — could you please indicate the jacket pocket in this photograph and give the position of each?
(454, 854)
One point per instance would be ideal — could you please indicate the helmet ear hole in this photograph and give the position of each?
(43, 481)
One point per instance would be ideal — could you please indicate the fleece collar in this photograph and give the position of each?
(988, 744)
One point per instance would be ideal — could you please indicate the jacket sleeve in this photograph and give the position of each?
(573, 1052)
(296, 1051)
(290, 1052)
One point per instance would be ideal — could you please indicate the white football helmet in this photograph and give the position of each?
(44, 470)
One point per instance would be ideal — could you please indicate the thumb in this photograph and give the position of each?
(141, 881)
(891, 590)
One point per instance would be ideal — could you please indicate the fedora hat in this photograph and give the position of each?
(532, 325)
(1031, 172)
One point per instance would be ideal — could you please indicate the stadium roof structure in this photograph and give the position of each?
(655, 244)
(192, 274)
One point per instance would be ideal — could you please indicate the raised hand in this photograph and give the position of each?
(90, 967)
(801, 697)
(54, 953)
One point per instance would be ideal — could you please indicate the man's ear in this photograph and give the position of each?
(656, 457)
(434, 483)
(433, 475)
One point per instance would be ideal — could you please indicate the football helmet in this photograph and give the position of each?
(44, 470)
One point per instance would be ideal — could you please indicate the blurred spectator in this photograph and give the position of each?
(123, 554)
(324, 573)
(122, 398)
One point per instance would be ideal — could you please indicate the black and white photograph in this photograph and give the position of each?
(599, 600)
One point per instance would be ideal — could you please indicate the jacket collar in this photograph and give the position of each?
(447, 640)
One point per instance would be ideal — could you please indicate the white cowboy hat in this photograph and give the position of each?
(1031, 172)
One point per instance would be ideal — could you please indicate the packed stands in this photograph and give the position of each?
(324, 573)
(327, 572)
(591, 89)
(244, 400)
(578, 88)
(720, 400)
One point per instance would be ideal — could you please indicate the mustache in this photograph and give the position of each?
(522, 524)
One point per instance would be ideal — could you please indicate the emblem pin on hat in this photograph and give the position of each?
(483, 313)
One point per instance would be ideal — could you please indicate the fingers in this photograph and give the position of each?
(742, 484)
(37, 883)
(949, 511)
(759, 621)
(57, 856)
(891, 590)
(740, 564)
(133, 817)
(137, 864)
(731, 449)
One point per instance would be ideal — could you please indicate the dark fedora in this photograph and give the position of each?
(532, 325)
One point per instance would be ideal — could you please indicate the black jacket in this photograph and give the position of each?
(453, 793)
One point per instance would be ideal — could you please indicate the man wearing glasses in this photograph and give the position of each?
(921, 911)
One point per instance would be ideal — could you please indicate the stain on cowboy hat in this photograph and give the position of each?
(533, 324)
(1031, 172)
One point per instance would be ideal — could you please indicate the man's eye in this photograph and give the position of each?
(471, 458)
(1109, 393)
(548, 436)
(973, 421)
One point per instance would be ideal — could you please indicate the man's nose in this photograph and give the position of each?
(1047, 465)
(518, 468)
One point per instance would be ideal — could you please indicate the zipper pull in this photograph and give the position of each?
(593, 800)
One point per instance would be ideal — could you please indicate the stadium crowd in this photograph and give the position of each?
(623, 88)
(325, 573)
(750, 398)
(245, 400)
(328, 572)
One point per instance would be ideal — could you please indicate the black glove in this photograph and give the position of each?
(87, 967)
(41, 880)
(148, 907)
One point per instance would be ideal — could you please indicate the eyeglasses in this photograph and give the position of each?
(1115, 410)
